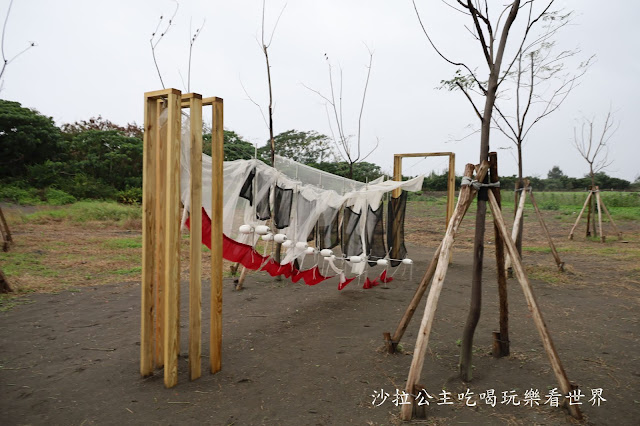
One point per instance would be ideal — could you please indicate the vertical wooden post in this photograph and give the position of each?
(148, 240)
(217, 157)
(464, 200)
(501, 338)
(554, 359)
(160, 166)
(195, 237)
(397, 174)
(580, 215)
(6, 233)
(172, 241)
(451, 186)
(554, 252)
(598, 203)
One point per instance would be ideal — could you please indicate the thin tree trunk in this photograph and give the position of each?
(478, 245)
(520, 179)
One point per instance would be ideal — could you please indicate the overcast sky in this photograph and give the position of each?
(93, 58)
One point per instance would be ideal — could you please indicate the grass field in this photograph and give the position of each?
(93, 242)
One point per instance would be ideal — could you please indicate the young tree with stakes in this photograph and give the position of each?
(492, 35)
(594, 150)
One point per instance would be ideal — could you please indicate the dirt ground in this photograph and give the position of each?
(294, 354)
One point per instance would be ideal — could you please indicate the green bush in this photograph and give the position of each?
(18, 195)
(130, 196)
(57, 197)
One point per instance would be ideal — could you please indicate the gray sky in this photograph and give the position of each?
(93, 58)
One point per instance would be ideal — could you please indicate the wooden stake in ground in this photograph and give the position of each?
(580, 215)
(501, 338)
(467, 193)
(556, 256)
(604, 207)
(554, 359)
(518, 220)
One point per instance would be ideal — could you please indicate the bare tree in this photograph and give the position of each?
(491, 33)
(157, 36)
(592, 145)
(7, 60)
(350, 154)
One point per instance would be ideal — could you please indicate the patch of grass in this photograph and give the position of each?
(87, 211)
(16, 264)
(537, 249)
(134, 270)
(123, 243)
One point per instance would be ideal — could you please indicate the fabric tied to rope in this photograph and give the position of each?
(466, 181)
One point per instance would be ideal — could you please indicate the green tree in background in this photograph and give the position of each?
(26, 138)
(303, 147)
(235, 148)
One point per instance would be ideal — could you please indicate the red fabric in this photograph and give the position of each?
(370, 284)
(383, 277)
(344, 283)
(251, 259)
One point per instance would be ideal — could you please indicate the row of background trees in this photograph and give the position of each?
(102, 160)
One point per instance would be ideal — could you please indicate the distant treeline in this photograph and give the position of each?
(97, 159)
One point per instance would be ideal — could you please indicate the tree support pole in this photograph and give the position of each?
(467, 193)
(604, 207)
(556, 256)
(580, 215)
(517, 223)
(554, 359)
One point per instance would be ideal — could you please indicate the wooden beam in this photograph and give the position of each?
(161, 94)
(160, 166)
(149, 145)
(554, 252)
(451, 187)
(195, 238)
(172, 243)
(217, 158)
(501, 338)
(580, 215)
(397, 174)
(424, 154)
(467, 194)
(554, 359)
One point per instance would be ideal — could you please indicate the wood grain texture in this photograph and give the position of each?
(148, 240)
(217, 157)
(160, 166)
(195, 239)
(172, 243)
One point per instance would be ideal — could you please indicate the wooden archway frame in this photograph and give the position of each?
(451, 177)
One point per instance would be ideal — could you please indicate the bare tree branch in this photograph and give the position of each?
(5, 61)
(156, 39)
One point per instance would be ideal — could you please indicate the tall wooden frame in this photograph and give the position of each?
(160, 290)
(451, 176)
